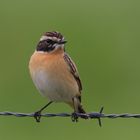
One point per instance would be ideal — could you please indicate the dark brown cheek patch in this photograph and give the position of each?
(44, 46)
(54, 34)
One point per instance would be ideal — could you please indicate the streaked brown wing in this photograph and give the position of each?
(73, 70)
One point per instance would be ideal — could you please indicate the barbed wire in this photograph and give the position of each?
(93, 115)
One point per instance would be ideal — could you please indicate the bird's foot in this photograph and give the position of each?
(37, 116)
(74, 117)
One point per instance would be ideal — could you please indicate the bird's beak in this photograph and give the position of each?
(62, 42)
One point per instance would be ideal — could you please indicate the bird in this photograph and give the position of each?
(55, 74)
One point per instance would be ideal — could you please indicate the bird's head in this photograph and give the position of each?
(50, 42)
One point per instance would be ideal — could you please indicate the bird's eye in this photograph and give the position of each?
(49, 41)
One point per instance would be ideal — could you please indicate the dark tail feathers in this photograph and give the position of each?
(81, 110)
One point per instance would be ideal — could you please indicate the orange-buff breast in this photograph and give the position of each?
(52, 77)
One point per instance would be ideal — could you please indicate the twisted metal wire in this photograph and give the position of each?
(92, 115)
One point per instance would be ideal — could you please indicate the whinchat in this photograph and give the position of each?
(55, 74)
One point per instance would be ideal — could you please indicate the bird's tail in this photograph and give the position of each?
(81, 110)
(76, 105)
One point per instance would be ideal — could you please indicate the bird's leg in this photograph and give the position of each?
(74, 116)
(37, 115)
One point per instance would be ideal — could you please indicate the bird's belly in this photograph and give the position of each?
(53, 87)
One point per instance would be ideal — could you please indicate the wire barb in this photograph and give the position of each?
(99, 119)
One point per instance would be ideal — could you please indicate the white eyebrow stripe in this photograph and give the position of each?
(47, 37)
(44, 38)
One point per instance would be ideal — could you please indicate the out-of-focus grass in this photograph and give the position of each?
(103, 40)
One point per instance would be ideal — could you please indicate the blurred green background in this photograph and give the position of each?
(104, 41)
